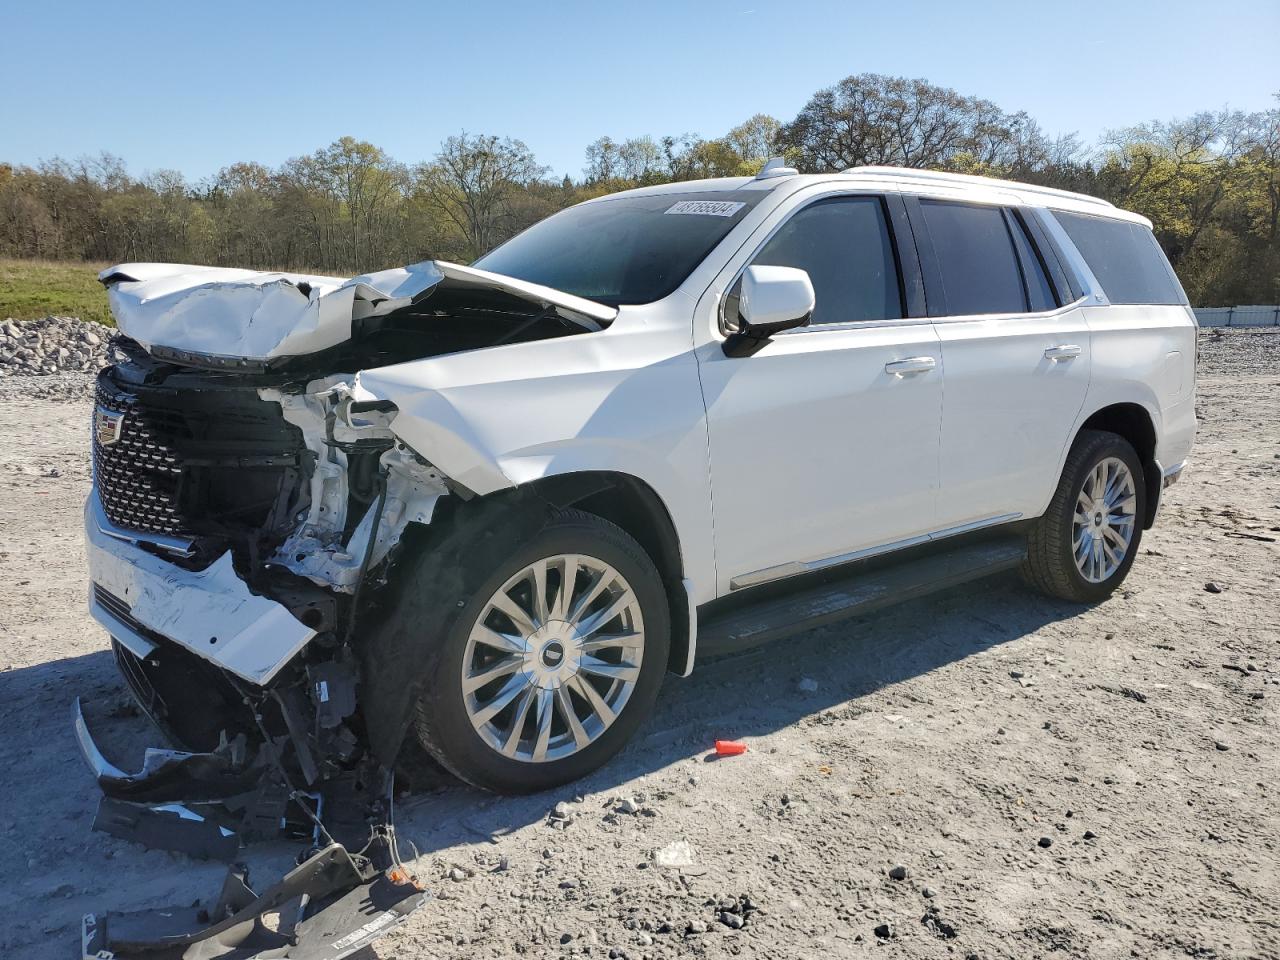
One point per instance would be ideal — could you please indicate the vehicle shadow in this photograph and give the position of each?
(755, 693)
(49, 798)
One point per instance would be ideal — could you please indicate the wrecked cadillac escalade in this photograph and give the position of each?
(340, 528)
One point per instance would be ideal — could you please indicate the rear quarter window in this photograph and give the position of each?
(1125, 257)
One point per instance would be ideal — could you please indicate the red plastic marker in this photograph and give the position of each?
(728, 748)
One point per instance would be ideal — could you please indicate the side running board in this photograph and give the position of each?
(838, 595)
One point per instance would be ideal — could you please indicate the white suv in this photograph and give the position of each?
(483, 510)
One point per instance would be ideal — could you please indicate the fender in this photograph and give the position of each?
(612, 401)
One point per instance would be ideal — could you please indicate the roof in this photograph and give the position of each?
(954, 186)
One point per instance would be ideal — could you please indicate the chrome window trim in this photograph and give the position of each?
(1028, 315)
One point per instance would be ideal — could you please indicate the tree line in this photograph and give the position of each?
(1209, 182)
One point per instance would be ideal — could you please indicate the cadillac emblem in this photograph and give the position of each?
(107, 425)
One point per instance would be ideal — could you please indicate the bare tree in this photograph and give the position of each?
(472, 184)
(636, 160)
(756, 138)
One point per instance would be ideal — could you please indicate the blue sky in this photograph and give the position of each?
(195, 86)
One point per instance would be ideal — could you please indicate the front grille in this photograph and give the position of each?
(196, 458)
(138, 475)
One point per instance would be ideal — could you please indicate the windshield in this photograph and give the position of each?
(625, 250)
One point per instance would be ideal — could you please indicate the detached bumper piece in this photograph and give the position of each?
(200, 804)
(331, 905)
(206, 805)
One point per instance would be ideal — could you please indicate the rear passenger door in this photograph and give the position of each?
(1015, 349)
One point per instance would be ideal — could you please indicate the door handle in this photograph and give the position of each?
(910, 365)
(1063, 351)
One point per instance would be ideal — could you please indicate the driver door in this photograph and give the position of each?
(824, 442)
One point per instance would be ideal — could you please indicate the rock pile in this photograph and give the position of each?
(53, 345)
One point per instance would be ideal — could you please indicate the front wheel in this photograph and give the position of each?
(1083, 546)
(552, 661)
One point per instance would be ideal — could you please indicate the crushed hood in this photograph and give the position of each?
(251, 315)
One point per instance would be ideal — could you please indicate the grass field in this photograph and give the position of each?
(30, 289)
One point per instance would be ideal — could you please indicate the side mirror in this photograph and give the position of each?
(773, 299)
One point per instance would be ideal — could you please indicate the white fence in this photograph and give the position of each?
(1238, 316)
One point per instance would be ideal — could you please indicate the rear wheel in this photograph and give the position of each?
(552, 661)
(1083, 546)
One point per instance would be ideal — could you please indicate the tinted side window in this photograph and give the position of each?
(1040, 295)
(844, 245)
(976, 259)
(1125, 258)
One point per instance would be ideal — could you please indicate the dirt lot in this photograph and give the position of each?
(947, 736)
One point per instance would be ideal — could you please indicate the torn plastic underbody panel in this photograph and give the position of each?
(331, 905)
(348, 889)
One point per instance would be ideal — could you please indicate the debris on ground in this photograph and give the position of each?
(677, 854)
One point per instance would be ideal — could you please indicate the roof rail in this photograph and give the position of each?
(938, 176)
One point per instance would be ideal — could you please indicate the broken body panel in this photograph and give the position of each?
(248, 315)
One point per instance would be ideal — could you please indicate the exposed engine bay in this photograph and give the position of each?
(245, 513)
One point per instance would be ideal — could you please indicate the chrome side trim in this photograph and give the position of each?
(796, 567)
(179, 545)
(974, 525)
(128, 638)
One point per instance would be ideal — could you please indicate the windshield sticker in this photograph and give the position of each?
(707, 208)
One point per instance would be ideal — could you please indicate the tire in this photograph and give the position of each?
(1052, 544)
(555, 674)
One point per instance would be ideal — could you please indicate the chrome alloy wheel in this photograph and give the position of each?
(1103, 525)
(553, 658)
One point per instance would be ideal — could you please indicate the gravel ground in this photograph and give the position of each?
(985, 773)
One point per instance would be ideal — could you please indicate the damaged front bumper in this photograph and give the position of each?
(295, 767)
(138, 595)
